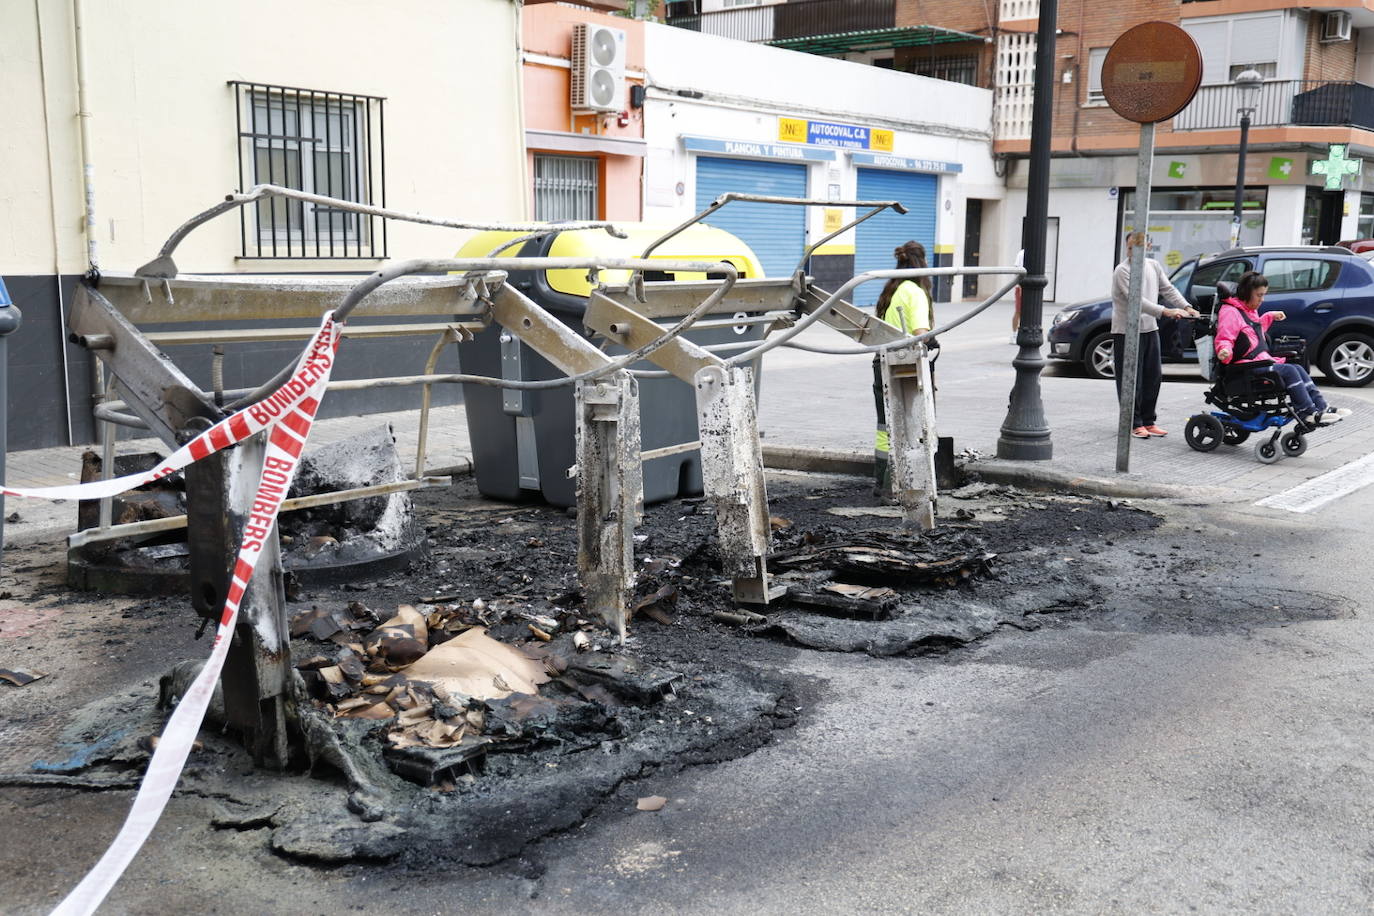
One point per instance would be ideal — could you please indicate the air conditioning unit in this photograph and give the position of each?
(598, 68)
(1336, 26)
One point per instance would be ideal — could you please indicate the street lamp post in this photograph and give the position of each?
(1247, 85)
(1025, 433)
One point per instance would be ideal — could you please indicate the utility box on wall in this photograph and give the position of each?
(598, 68)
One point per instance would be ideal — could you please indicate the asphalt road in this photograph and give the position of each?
(1124, 764)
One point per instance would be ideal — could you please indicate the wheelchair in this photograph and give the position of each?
(1249, 398)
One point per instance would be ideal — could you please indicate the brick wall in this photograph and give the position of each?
(1332, 60)
(963, 15)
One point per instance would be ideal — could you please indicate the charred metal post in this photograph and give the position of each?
(727, 425)
(911, 431)
(732, 472)
(219, 496)
(610, 481)
(610, 493)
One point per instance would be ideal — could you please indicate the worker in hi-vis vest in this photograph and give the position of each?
(904, 304)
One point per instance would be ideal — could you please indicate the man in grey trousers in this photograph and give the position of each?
(1154, 286)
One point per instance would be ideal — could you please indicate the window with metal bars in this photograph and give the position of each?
(565, 187)
(962, 69)
(326, 143)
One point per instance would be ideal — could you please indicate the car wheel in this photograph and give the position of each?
(1348, 360)
(1098, 355)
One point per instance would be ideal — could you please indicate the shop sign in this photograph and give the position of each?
(1336, 166)
(903, 162)
(826, 133)
(751, 149)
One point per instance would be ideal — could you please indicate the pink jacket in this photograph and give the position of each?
(1231, 324)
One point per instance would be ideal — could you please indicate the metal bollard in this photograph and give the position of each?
(10, 319)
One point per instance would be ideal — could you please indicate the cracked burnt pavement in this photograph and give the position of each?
(813, 762)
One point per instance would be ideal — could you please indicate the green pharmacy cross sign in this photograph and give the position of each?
(1335, 167)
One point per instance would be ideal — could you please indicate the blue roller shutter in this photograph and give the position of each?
(884, 232)
(776, 232)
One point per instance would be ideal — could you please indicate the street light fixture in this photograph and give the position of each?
(1247, 83)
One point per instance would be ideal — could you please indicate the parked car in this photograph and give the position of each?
(1327, 293)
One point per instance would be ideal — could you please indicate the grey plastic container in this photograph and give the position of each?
(523, 442)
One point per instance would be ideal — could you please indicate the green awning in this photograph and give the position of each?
(875, 39)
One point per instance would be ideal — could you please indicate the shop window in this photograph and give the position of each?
(1366, 225)
(325, 143)
(565, 187)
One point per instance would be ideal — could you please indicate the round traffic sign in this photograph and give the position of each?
(1151, 72)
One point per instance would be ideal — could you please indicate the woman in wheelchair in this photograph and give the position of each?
(1241, 340)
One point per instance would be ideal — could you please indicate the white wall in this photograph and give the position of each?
(163, 118)
(1087, 237)
(1283, 215)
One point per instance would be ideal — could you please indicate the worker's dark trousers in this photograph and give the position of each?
(1149, 373)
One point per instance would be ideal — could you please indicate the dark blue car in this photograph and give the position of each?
(1327, 293)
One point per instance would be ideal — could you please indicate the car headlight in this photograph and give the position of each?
(1062, 317)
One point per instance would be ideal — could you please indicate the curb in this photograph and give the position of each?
(1024, 475)
(818, 460)
(1028, 477)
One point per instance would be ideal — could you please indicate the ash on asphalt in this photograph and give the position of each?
(1071, 560)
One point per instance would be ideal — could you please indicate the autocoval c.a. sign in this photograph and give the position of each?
(287, 414)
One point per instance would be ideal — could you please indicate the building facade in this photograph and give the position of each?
(1316, 64)
(585, 155)
(226, 96)
(768, 121)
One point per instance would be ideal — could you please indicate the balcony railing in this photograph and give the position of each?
(1308, 103)
(803, 19)
(1019, 9)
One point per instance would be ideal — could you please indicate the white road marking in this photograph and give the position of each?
(1319, 491)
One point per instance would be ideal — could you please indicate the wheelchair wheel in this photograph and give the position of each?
(1235, 435)
(1203, 432)
(1267, 452)
(1293, 444)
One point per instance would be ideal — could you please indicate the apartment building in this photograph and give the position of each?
(1316, 64)
(183, 103)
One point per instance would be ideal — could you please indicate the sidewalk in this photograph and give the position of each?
(816, 409)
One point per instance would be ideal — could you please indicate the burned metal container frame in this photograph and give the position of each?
(161, 398)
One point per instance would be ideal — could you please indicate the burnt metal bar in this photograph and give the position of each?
(109, 532)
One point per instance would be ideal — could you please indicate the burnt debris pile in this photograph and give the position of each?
(447, 684)
(320, 543)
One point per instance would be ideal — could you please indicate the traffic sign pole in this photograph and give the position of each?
(1130, 362)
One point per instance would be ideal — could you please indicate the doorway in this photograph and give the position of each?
(1321, 216)
(973, 235)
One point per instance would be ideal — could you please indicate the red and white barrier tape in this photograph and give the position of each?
(288, 414)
